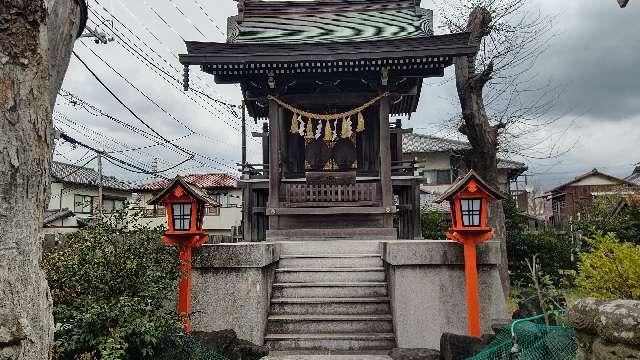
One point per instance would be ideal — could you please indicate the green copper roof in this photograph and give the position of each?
(350, 24)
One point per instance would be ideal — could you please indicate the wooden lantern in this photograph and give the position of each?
(185, 206)
(469, 199)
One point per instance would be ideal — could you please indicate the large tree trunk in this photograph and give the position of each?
(482, 136)
(34, 35)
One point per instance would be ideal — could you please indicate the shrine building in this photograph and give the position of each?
(327, 211)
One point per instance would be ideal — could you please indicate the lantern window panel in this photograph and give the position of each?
(182, 216)
(471, 210)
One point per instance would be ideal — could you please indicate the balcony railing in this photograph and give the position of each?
(304, 195)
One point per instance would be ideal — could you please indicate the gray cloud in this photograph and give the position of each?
(595, 55)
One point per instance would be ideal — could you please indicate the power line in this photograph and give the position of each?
(151, 100)
(144, 57)
(172, 52)
(132, 128)
(113, 158)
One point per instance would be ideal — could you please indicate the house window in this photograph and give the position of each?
(437, 177)
(83, 204)
(221, 198)
(111, 205)
(212, 211)
(182, 216)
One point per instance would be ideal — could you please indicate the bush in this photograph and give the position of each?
(112, 285)
(435, 225)
(555, 253)
(599, 217)
(611, 270)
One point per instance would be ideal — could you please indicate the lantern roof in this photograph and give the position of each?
(462, 183)
(193, 191)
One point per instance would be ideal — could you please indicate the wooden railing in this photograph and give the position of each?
(403, 167)
(304, 195)
(255, 171)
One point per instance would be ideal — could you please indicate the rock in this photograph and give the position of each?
(245, 350)
(501, 325)
(414, 354)
(614, 321)
(606, 351)
(222, 341)
(583, 315)
(455, 347)
(12, 329)
(619, 322)
(226, 342)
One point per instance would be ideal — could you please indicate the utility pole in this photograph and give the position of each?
(244, 135)
(99, 156)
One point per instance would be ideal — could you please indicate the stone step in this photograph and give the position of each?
(329, 247)
(333, 234)
(330, 289)
(335, 342)
(326, 324)
(329, 274)
(330, 261)
(331, 306)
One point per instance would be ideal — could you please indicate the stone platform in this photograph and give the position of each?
(341, 295)
(327, 356)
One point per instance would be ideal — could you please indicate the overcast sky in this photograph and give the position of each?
(595, 57)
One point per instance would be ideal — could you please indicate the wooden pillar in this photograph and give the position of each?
(385, 161)
(274, 160)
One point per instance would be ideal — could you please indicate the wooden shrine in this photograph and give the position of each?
(327, 76)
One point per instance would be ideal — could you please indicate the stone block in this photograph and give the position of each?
(436, 252)
(602, 350)
(240, 255)
(414, 354)
(615, 321)
(429, 300)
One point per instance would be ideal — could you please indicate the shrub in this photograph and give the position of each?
(555, 253)
(112, 285)
(435, 225)
(599, 217)
(611, 270)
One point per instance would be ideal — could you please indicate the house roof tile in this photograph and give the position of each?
(594, 172)
(203, 181)
(635, 177)
(418, 143)
(74, 174)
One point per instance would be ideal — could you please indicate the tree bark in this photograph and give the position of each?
(36, 39)
(483, 137)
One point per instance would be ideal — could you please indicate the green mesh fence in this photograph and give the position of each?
(526, 340)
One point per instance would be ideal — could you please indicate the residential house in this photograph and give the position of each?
(635, 176)
(222, 219)
(74, 197)
(569, 199)
(440, 162)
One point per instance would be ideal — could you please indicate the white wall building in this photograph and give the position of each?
(74, 197)
(218, 220)
(440, 162)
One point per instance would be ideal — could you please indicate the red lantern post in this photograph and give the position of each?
(469, 199)
(185, 205)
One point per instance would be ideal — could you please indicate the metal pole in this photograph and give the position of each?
(100, 207)
(244, 135)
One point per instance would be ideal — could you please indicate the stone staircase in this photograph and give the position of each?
(330, 295)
